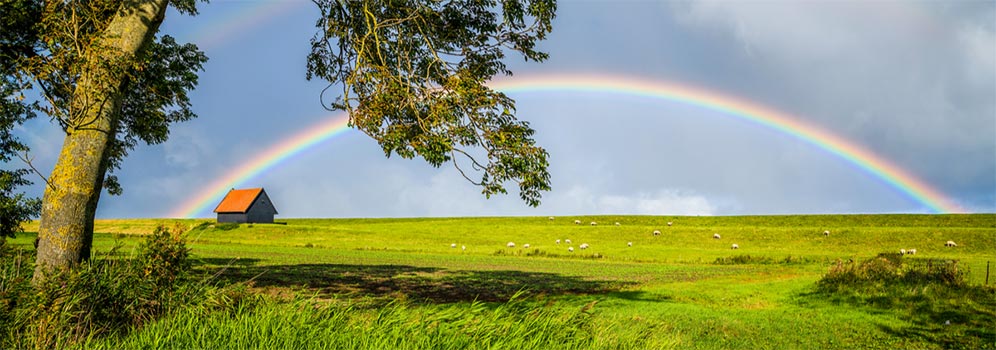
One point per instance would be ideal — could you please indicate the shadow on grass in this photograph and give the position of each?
(224, 261)
(932, 295)
(955, 318)
(416, 284)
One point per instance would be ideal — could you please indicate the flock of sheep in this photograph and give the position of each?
(583, 246)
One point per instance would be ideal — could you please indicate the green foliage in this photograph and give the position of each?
(414, 77)
(63, 41)
(932, 293)
(106, 295)
(15, 278)
(15, 208)
(517, 324)
(663, 292)
(892, 269)
(17, 37)
(748, 259)
(221, 226)
(226, 226)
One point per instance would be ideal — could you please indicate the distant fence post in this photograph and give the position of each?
(987, 273)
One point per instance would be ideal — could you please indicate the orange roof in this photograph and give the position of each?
(238, 201)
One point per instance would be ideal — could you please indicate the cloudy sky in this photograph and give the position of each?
(912, 82)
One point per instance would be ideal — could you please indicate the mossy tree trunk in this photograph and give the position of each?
(70, 201)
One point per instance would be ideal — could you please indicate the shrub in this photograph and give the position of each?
(105, 295)
(890, 268)
(226, 226)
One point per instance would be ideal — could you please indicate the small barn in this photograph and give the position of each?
(250, 205)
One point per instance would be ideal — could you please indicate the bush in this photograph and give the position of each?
(105, 295)
(890, 268)
(226, 226)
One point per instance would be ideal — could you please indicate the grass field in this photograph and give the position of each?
(682, 289)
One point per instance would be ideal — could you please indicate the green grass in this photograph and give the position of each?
(329, 282)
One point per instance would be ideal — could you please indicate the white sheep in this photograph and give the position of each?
(911, 251)
(617, 223)
(558, 241)
(657, 232)
(583, 246)
(550, 218)
(902, 252)
(669, 223)
(463, 247)
(510, 245)
(715, 235)
(629, 244)
(526, 245)
(826, 233)
(735, 246)
(570, 249)
(453, 245)
(577, 222)
(567, 241)
(950, 244)
(594, 223)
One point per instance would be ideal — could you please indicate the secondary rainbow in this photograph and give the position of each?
(851, 152)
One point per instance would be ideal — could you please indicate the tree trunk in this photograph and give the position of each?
(70, 201)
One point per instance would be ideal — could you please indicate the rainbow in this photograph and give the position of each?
(211, 194)
(244, 17)
(772, 119)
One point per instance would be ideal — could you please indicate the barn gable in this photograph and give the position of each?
(246, 206)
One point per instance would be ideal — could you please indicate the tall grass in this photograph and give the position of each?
(107, 295)
(308, 324)
(932, 293)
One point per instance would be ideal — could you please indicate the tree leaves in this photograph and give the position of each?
(414, 75)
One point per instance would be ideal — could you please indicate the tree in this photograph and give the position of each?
(17, 34)
(108, 81)
(413, 74)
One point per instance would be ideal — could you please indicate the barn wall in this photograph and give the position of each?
(233, 217)
(261, 210)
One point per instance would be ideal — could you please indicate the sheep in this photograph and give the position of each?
(558, 241)
(510, 244)
(950, 244)
(715, 235)
(669, 224)
(567, 241)
(453, 245)
(463, 247)
(657, 232)
(526, 245)
(583, 246)
(550, 218)
(594, 223)
(826, 233)
(570, 249)
(902, 252)
(911, 251)
(577, 222)
(734, 246)
(629, 244)
(617, 223)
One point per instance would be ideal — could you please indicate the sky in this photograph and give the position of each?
(913, 83)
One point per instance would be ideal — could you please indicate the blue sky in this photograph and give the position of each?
(913, 82)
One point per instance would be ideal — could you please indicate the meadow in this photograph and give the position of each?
(400, 283)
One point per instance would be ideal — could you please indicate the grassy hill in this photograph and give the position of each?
(681, 289)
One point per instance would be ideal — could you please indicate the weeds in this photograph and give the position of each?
(763, 260)
(932, 293)
(106, 295)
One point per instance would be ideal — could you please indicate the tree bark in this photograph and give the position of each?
(70, 201)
